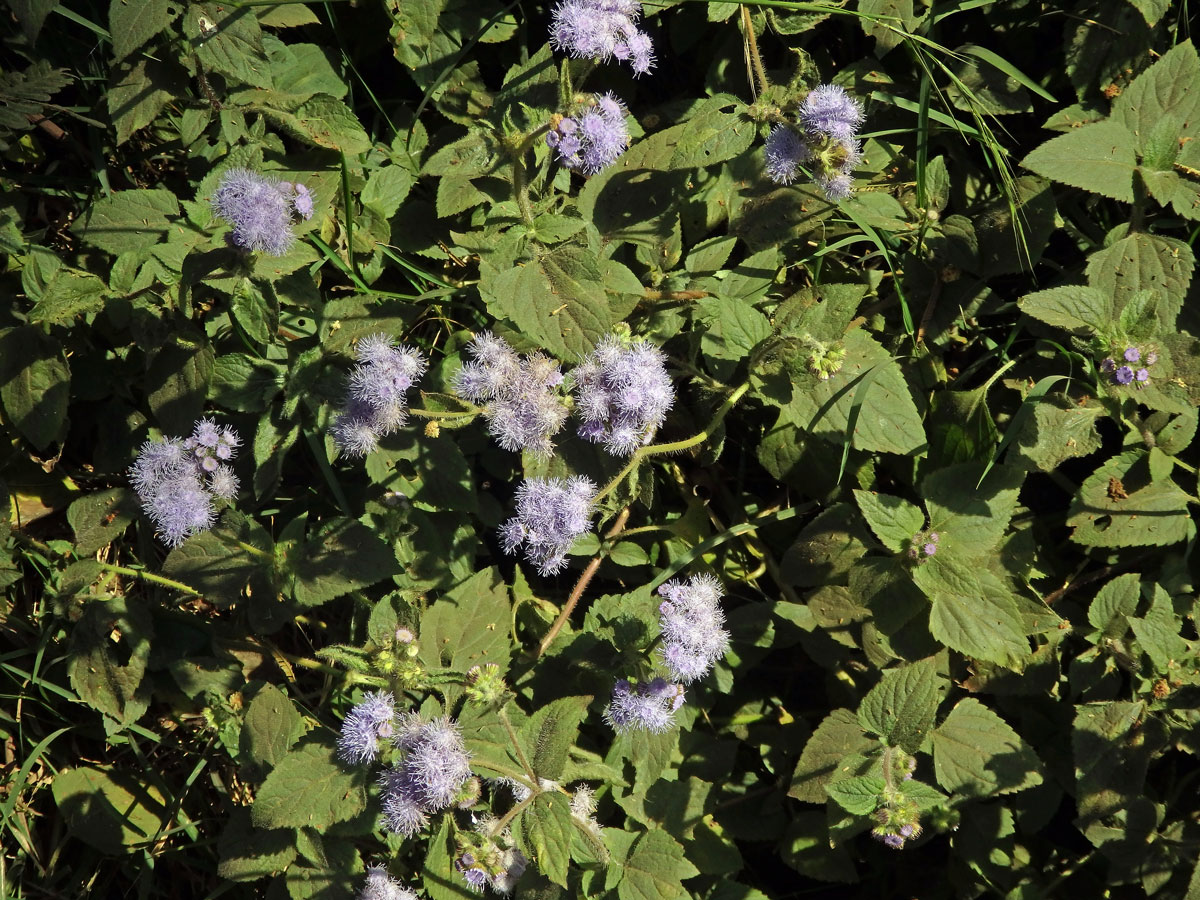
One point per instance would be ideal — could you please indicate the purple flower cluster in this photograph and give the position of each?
(693, 627)
(923, 545)
(520, 395)
(434, 770)
(1124, 372)
(177, 479)
(551, 514)
(501, 876)
(261, 210)
(644, 706)
(381, 886)
(372, 720)
(594, 138)
(622, 393)
(826, 140)
(602, 29)
(376, 404)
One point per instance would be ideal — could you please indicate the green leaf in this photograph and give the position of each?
(1075, 308)
(1116, 600)
(309, 788)
(859, 795)
(1158, 634)
(342, 556)
(893, 519)
(546, 832)
(886, 20)
(31, 15)
(1141, 262)
(976, 753)
(559, 298)
(324, 121)
(888, 420)
(1165, 89)
(35, 384)
(551, 731)
(108, 674)
(133, 22)
(1059, 429)
(971, 517)
(70, 293)
(1111, 751)
(1099, 158)
(653, 869)
(1171, 188)
(127, 220)
(901, 707)
(227, 39)
(249, 853)
(99, 519)
(837, 737)
(271, 726)
(177, 380)
(972, 611)
(109, 809)
(1118, 506)
(245, 383)
(216, 564)
(469, 625)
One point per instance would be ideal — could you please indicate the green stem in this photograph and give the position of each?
(443, 414)
(756, 64)
(143, 575)
(674, 446)
(521, 175)
(512, 736)
(499, 827)
(252, 550)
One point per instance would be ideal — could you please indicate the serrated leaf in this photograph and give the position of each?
(99, 519)
(1158, 635)
(271, 726)
(901, 707)
(108, 674)
(228, 40)
(837, 737)
(1118, 506)
(1099, 158)
(550, 732)
(249, 853)
(35, 384)
(859, 795)
(324, 121)
(309, 788)
(970, 517)
(469, 625)
(128, 220)
(245, 383)
(214, 562)
(70, 293)
(1116, 600)
(133, 22)
(1164, 89)
(546, 829)
(342, 556)
(893, 519)
(1076, 308)
(977, 754)
(1141, 262)
(886, 20)
(177, 379)
(1058, 430)
(972, 611)
(654, 868)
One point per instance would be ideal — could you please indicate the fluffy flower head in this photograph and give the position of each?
(647, 706)
(602, 29)
(693, 627)
(829, 110)
(365, 725)
(786, 152)
(381, 886)
(376, 401)
(551, 514)
(259, 208)
(622, 394)
(593, 139)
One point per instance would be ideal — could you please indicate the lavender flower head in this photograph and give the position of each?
(365, 725)
(520, 395)
(622, 393)
(551, 514)
(381, 886)
(646, 706)
(593, 139)
(177, 479)
(602, 29)
(260, 209)
(827, 142)
(786, 152)
(434, 769)
(693, 627)
(376, 402)
(829, 110)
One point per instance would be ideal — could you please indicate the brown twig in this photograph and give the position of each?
(585, 579)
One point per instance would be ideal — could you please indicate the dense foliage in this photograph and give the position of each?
(599, 449)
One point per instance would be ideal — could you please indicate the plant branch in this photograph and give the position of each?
(512, 736)
(143, 575)
(585, 578)
(756, 64)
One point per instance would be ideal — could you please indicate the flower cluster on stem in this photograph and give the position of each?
(381, 886)
(376, 401)
(622, 394)
(177, 479)
(603, 30)
(593, 138)
(693, 627)
(824, 138)
(1132, 367)
(261, 210)
(551, 514)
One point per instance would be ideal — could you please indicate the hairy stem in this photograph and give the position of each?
(674, 446)
(512, 736)
(585, 578)
(756, 64)
(143, 575)
(499, 827)
(521, 175)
